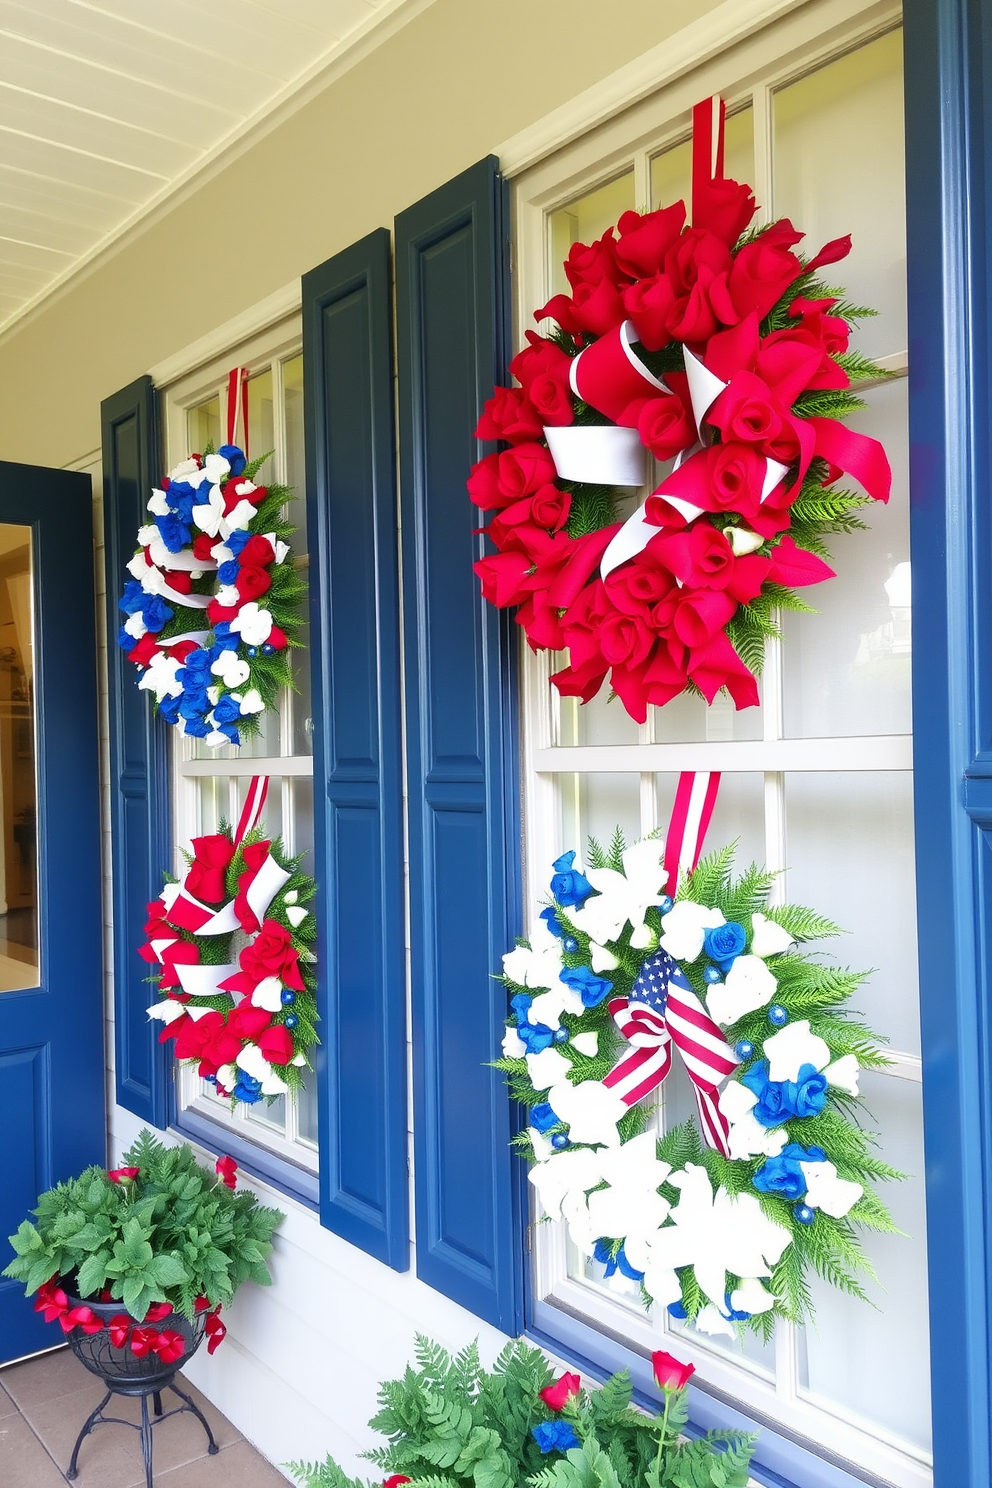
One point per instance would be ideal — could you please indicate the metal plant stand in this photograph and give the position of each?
(124, 1373)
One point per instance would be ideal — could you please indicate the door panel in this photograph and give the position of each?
(51, 1037)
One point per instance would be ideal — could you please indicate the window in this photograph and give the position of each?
(817, 780)
(210, 784)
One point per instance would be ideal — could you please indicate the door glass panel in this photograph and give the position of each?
(584, 220)
(671, 171)
(18, 790)
(203, 425)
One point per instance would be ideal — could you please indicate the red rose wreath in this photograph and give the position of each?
(714, 346)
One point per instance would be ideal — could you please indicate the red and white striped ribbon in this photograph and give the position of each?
(188, 912)
(253, 807)
(237, 407)
(695, 799)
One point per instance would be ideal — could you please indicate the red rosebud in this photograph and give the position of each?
(276, 1044)
(564, 1389)
(255, 854)
(271, 954)
(650, 304)
(483, 484)
(257, 552)
(597, 307)
(252, 582)
(540, 358)
(227, 1170)
(142, 651)
(693, 253)
(669, 1373)
(202, 545)
(179, 581)
(716, 665)
(590, 264)
(122, 1175)
(550, 507)
(582, 682)
(206, 878)
(561, 309)
(795, 567)
(831, 252)
(502, 578)
(764, 269)
(278, 639)
(724, 207)
(700, 556)
(552, 400)
(625, 640)
(636, 587)
(524, 470)
(247, 1021)
(182, 650)
(701, 613)
(664, 426)
(509, 415)
(644, 241)
(747, 410)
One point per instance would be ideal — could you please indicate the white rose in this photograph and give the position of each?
(748, 985)
(684, 926)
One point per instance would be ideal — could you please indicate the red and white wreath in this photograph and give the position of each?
(717, 347)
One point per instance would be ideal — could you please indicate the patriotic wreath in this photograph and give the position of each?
(247, 1024)
(719, 347)
(718, 1222)
(215, 550)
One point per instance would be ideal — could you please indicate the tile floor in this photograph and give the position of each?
(44, 1402)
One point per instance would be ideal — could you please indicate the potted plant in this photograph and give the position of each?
(135, 1263)
(452, 1424)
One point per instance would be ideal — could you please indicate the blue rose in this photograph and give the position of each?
(246, 1093)
(169, 709)
(542, 1117)
(550, 918)
(231, 732)
(724, 943)
(133, 597)
(782, 1174)
(555, 1436)
(228, 572)
(236, 542)
(809, 1092)
(234, 457)
(775, 1103)
(173, 531)
(619, 1262)
(125, 641)
(568, 885)
(178, 489)
(590, 987)
(227, 709)
(196, 728)
(155, 613)
(183, 501)
(521, 1005)
(536, 1036)
(197, 667)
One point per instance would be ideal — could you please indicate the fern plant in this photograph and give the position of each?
(159, 1229)
(450, 1423)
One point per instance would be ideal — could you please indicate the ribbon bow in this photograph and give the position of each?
(663, 1010)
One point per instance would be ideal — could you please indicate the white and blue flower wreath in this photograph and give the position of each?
(215, 551)
(718, 1222)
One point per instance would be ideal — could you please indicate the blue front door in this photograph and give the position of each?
(51, 1039)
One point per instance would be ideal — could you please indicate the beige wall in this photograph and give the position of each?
(438, 95)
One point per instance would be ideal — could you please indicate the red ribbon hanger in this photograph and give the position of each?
(237, 407)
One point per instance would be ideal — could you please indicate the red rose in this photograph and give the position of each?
(764, 269)
(590, 264)
(724, 207)
(540, 358)
(524, 470)
(203, 544)
(276, 1044)
(217, 612)
(227, 1170)
(252, 583)
(483, 484)
(644, 241)
(792, 360)
(582, 623)
(181, 582)
(561, 309)
(597, 307)
(700, 556)
(716, 665)
(206, 876)
(271, 954)
(254, 854)
(650, 305)
(278, 639)
(248, 1022)
(223, 1048)
(184, 649)
(694, 252)
(664, 427)
(550, 507)
(156, 930)
(509, 415)
(257, 552)
(122, 1175)
(831, 252)
(636, 587)
(195, 1034)
(832, 331)
(631, 686)
(701, 613)
(625, 640)
(231, 494)
(735, 475)
(669, 1373)
(552, 399)
(695, 316)
(665, 674)
(565, 1388)
(747, 410)
(142, 651)
(502, 577)
(794, 567)
(582, 682)
(539, 620)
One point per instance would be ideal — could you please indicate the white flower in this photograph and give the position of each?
(541, 1144)
(158, 504)
(254, 1063)
(230, 668)
(631, 1207)
(623, 896)
(843, 1073)
(536, 965)
(747, 1136)
(135, 625)
(824, 1190)
(716, 1234)
(268, 995)
(168, 1010)
(296, 914)
(748, 985)
(768, 938)
(573, 1171)
(513, 1045)
(547, 1068)
(547, 1007)
(684, 927)
(187, 470)
(221, 553)
(752, 1296)
(215, 739)
(146, 536)
(137, 568)
(209, 515)
(237, 518)
(228, 596)
(213, 696)
(602, 959)
(215, 469)
(227, 1076)
(590, 1110)
(711, 1321)
(160, 676)
(253, 623)
(791, 1048)
(251, 702)
(586, 1043)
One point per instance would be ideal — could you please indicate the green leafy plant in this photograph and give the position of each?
(159, 1229)
(450, 1423)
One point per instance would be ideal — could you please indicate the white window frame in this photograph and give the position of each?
(801, 42)
(269, 348)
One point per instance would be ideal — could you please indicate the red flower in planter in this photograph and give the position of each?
(227, 1170)
(158, 1311)
(123, 1175)
(51, 1301)
(669, 1373)
(170, 1346)
(557, 1396)
(394, 1480)
(81, 1317)
(119, 1328)
(216, 1331)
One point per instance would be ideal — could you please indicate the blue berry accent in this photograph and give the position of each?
(803, 1214)
(664, 906)
(559, 1140)
(570, 944)
(561, 1036)
(287, 996)
(777, 1015)
(253, 651)
(267, 650)
(743, 1049)
(712, 975)
(291, 1020)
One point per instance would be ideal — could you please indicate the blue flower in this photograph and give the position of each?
(618, 1262)
(155, 613)
(568, 885)
(550, 918)
(183, 500)
(733, 1313)
(521, 1005)
(555, 1436)
(227, 709)
(779, 1100)
(125, 640)
(590, 987)
(177, 490)
(169, 709)
(236, 542)
(244, 1093)
(542, 1117)
(724, 943)
(228, 642)
(133, 598)
(228, 572)
(536, 1036)
(234, 457)
(197, 667)
(231, 732)
(196, 727)
(174, 531)
(782, 1174)
(810, 1091)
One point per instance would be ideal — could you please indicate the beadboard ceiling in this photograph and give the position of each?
(108, 105)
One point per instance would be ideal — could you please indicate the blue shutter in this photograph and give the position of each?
(139, 815)
(452, 332)
(358, 790)
(948, 83)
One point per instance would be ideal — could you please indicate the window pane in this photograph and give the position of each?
(671, 172)
(306, 1110)
(603, 720)
(585, 219)
(18, 797)
(292, 394)
(261, 424)
(203, 426)
(688, 720)
(847, 669)
(856, 1355)
(838, 139)
(851, 857)
(594, 806)
(302, 742)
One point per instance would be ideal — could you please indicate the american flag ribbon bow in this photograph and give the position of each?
(662, 1008)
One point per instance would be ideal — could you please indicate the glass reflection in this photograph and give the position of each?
(18, 793)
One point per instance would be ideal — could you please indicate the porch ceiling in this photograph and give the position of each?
(106, 106)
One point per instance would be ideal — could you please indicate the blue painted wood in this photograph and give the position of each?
(51, 1035)
(452, 333)
(358, 790)
(948, 119)
(139, 810)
